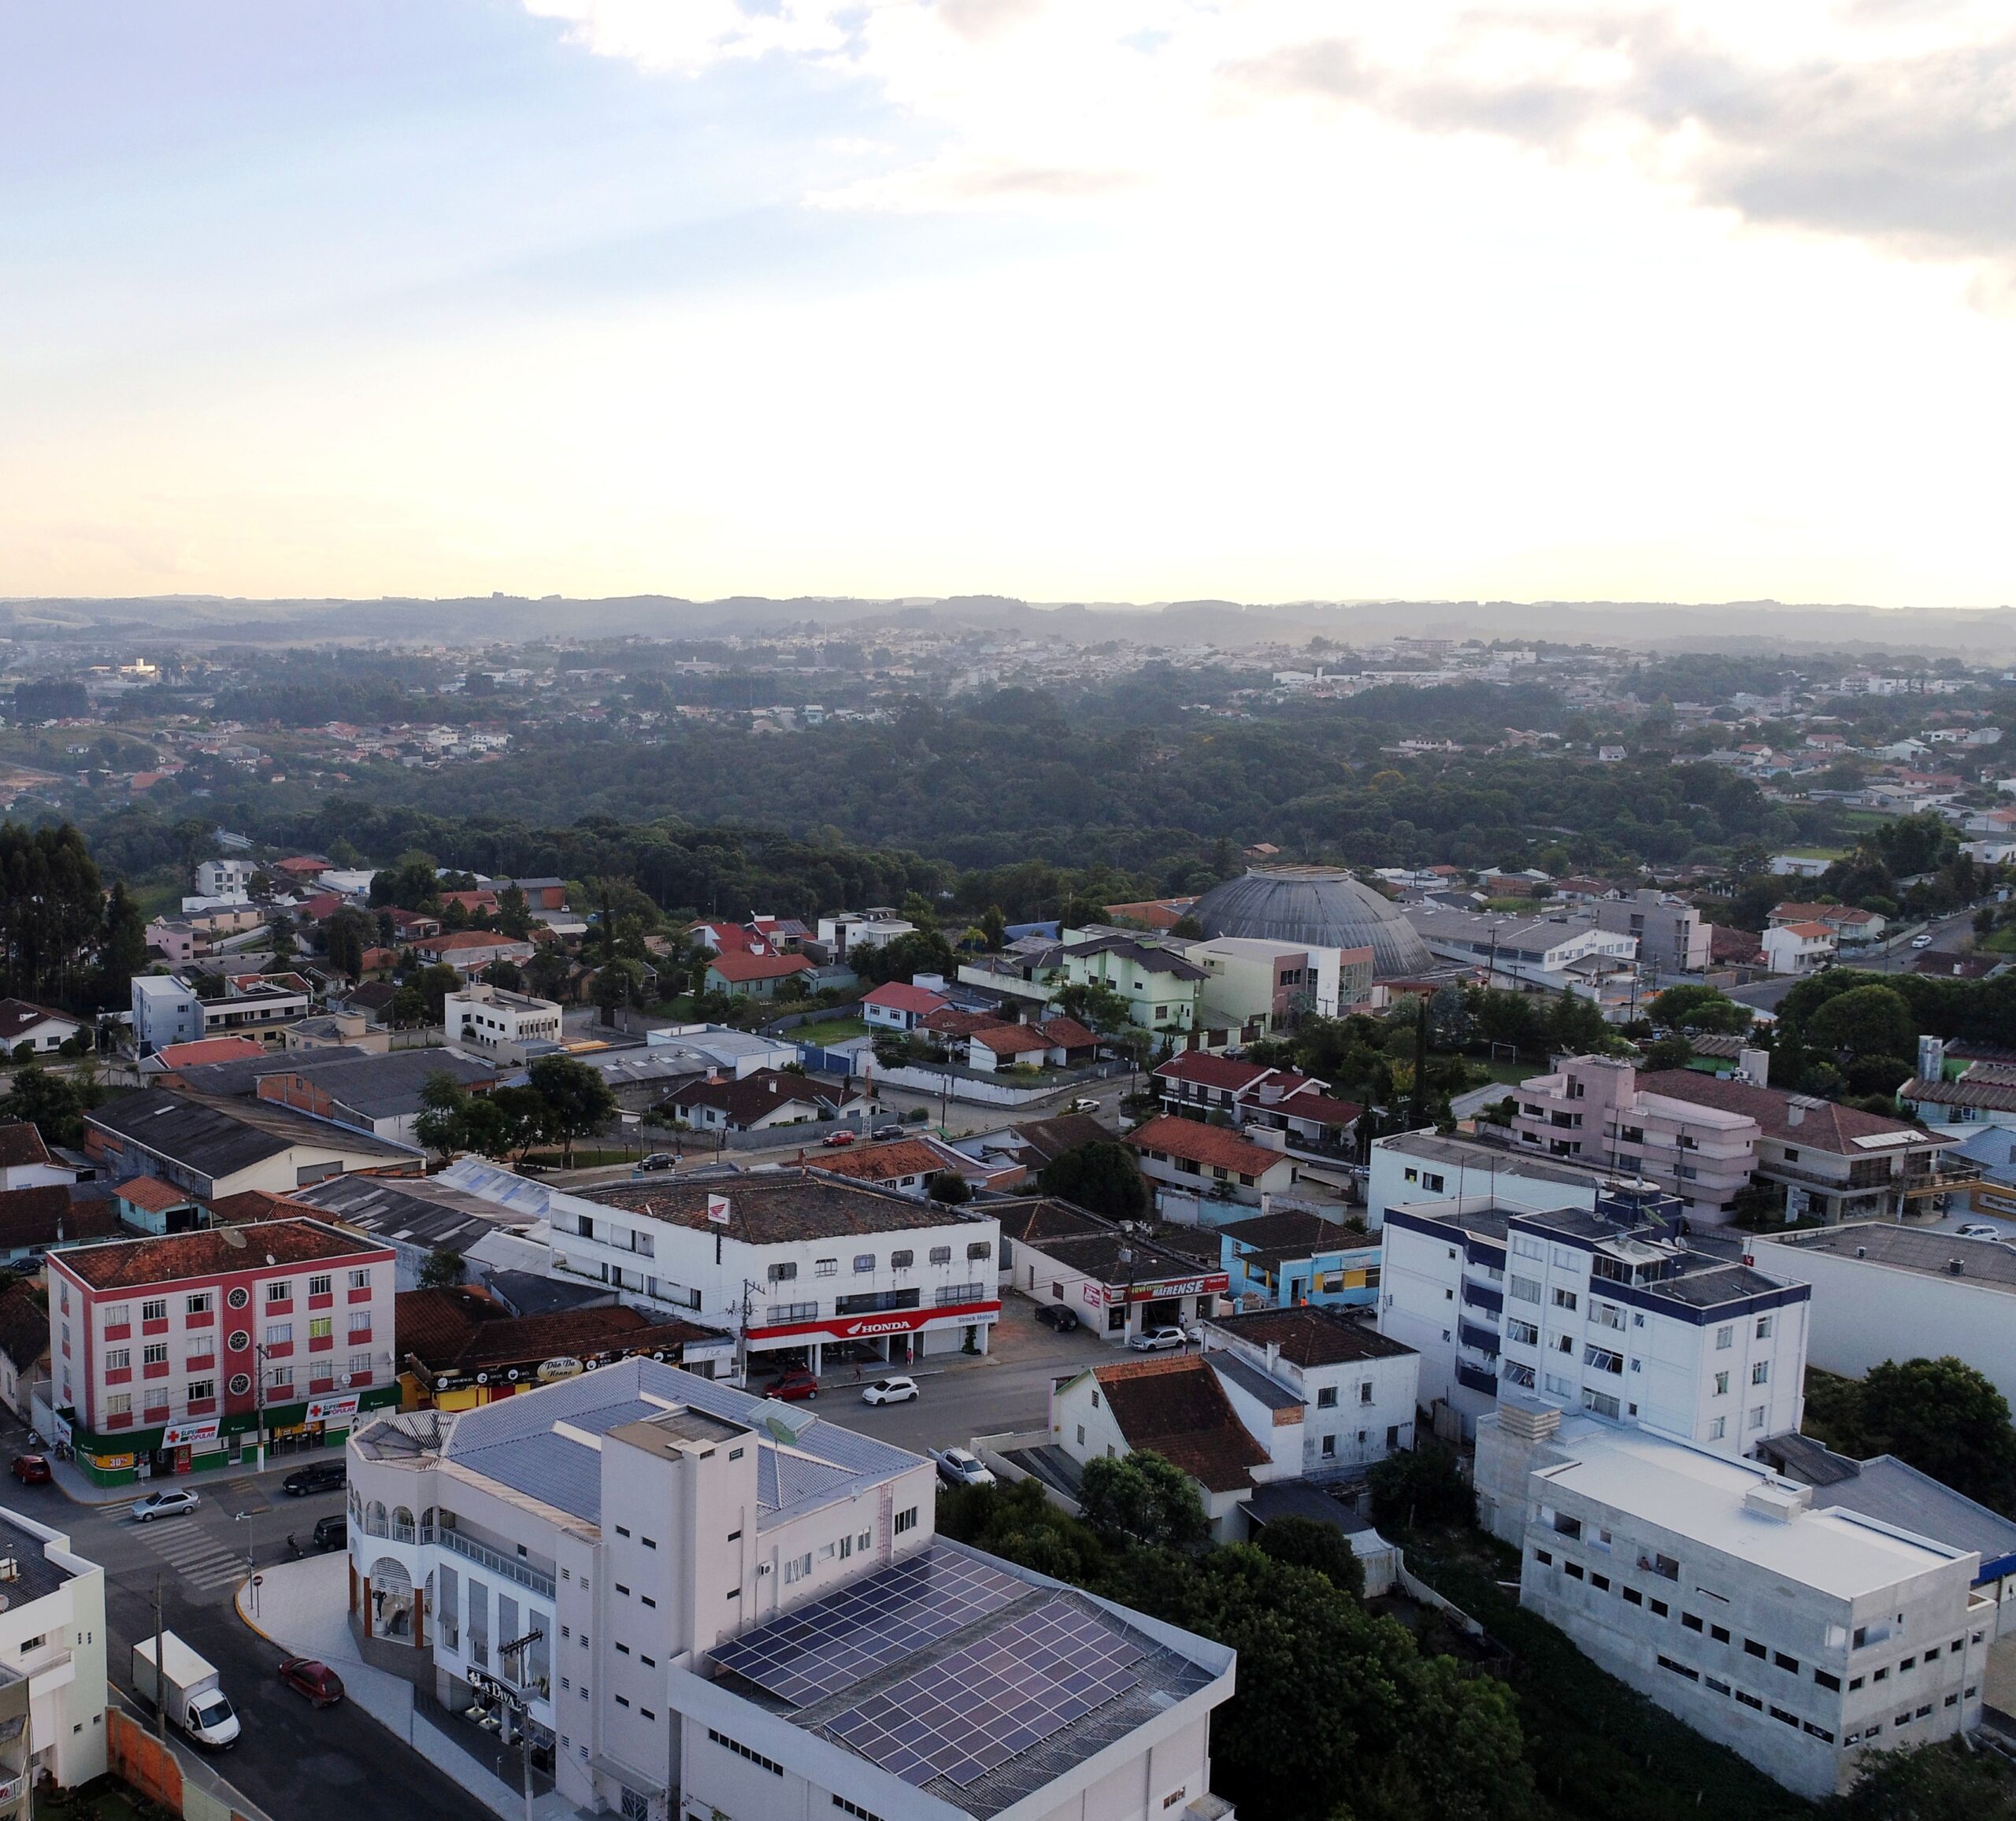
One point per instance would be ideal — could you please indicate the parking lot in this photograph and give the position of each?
(960, 1397)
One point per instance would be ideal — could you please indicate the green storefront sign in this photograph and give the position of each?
(115, 1457)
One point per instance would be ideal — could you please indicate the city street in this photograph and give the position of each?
(292, 1759)
(1950, 935)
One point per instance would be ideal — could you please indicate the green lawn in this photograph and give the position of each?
(828, 1030)
(2002, 942)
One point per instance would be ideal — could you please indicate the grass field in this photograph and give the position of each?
(828, 1030)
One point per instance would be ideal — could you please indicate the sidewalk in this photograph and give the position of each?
(80, 1489)
(302, 1607)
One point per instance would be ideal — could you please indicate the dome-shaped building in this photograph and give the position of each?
(1323, 906)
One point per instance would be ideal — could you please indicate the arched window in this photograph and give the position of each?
(392, 1599)
(374, 1518)
(404, 1529)
(427, 1526)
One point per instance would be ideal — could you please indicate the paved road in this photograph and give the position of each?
(1950, 935)
(294, 1761)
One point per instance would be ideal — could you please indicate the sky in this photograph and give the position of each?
(1090, 300)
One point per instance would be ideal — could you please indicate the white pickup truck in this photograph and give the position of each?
(193, 1700)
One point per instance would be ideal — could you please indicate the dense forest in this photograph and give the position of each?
(1136, 778)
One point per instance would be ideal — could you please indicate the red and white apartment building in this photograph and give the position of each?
(189, 1351)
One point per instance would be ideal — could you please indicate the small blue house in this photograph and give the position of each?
(1294, 1256)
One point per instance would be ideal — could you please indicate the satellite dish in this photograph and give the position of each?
(233, 1237)
(781, 1432)
(271, 1259)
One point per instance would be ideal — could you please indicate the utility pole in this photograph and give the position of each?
(517, 1704)
(161, 1678)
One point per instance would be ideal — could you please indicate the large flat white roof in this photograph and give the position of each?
(1700, 1497)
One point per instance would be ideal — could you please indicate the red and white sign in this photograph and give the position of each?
(1160, 1290)
(903, 1321)
(181, 1434)
(332, 1409)
(717, 1210)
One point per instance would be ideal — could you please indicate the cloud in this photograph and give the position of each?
(1910, 146)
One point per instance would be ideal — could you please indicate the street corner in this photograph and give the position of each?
(301, 1604)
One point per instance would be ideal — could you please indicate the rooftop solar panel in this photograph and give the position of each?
(832, 1644)
(995, 1698)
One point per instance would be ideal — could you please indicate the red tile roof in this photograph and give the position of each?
(886, 1163)
(126, 1264)
(20, 1144)
(1011, 1039)
(42, 1216)
(739, 969)
(1822, 1125)
(152, 1195)
(208, 1049)
(1068, 1033)
(1208, 1071)
(949, 1021)
(1176, 1408)
(1218, 1147)
(250, 1204)
(900, 996)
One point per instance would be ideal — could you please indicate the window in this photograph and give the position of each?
(1719, 1633)
(941, 1255)
(740, 1750)
(1789, 1664)
(1827, 1681)
(154, 1309)
(1764, 1328)
(1719, 1427)
(783, 1273)
(1525, 1333)
(864, 1261)
(1600, 1582)
(981, 1248)
(154, 1354)
(825, 1267)
(901, 1261)
(359, 1365)
(1760, 1374)
(1657, 1608)
(281, 1379)
(118, 1359)
(280, 1292)
(1752, 1648)
(118, 1403)
(1722, 1384)
(202, 1389)
(1725, 1339)
(200, 1304)
(360, 1321)
(1633, 1597)
(361, 1279)
(279, 1334)
(1326, 1399)
(1690, 1622)
(1523, 1290)
(321, 1286)
(1329, 1450)
(861, 1814)
(1564, 1299)
(1756, 1417)
(905, 1521)
(1365, 1392)
(1544, 1559)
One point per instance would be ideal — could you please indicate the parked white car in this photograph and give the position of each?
(1156, 1339)
(957, 1466)
(891, 1391)
(1978, 1229)
(1921, 941)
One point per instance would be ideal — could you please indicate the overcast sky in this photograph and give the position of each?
(1073, 299)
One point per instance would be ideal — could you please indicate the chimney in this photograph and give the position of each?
(1795, 1113)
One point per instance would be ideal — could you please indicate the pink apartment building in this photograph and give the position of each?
(1594, 1112)
(170, 1355)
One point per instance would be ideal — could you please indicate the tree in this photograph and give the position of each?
(1143, 1497)
(444, 1270)
(1100, 1176)
(1688, 1008)
(345, 937)
(123, 953)
(1673, 1052)
(1865, 1022)
(1094, 1004)
(1940, 1783)
(950, 1188)
(1574, 1025)
(1425, 1485)
(994, 927)
(578, 1100)
(1302, 1542)
(618, 983)
(514, 916)
(442, 1125)
(52, 912)
(921, 952)
(1946, 1419)
(411, 882)
(419, 1002)
(54, 1105)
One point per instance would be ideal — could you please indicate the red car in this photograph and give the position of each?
(795, 1385)
(31, 1469)
(834, 1140)
(321, 1684)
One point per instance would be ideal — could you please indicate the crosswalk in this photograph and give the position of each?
(199, 1558)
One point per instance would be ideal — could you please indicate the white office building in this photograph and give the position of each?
(785, 1259)
(726, 1607)
(1423, 1166)
(225, 880)
(165, 1010)
(1799, 1635)
(491, 1022)
(1599, 1311)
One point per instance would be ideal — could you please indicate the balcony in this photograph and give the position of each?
(12, 1787)
(509, 1566)
(1476, 1381)
(1477, 1296)
(1481, 1340)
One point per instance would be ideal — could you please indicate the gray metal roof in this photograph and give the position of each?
(515, 1441)
(1320, 906)
(411, 1210)
(1891, 1492)
(1253, 1382)
(35, 1574)
(1980, 1262)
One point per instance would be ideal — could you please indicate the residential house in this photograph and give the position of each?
(869, 929)
(898, 1005)
(1356, 1389)
(23, 1350)
(24, 1159)
(909, 1165)
(662, 1703)
(147, 1205)
(1255, 988)
(544, 893)
(1162, 989)
(1160, 914)
(1195, 1083)
(32, 1221)
(1289, 1257)
(753, 976)
(1204, 1160)
(1852, 925)
(1175, 1406)
(244, 1335)
(471, 951)
(1799, 948)
(764, 1100)
(41, 1029)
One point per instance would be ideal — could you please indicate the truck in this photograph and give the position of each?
(191, 1699)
